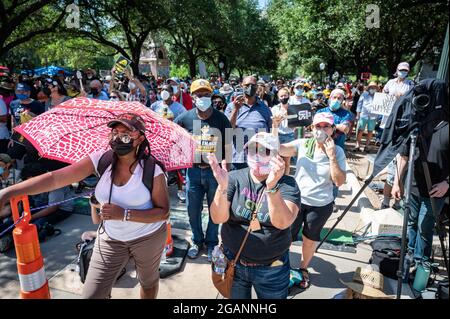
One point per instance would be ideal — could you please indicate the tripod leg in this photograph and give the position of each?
(366, 183)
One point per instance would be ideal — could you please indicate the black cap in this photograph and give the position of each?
(130, 120)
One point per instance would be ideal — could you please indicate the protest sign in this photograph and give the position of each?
(299, 115)
(382, 104)
(121, 64)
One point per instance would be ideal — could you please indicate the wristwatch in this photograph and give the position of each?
(126, 215)
(273, 190)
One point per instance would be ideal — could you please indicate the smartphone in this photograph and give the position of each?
(238, 92)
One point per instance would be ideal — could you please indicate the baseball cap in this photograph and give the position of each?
(337, 91)
(173, 80)
(23, 87)
(200, 84)
(323, 117)
(403, 66)
(265, 139)
(130, 120)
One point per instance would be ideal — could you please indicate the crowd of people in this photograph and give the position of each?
(247, 183)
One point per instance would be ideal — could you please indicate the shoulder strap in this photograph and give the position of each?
(104, 162)
(149, 173)
(258, 203)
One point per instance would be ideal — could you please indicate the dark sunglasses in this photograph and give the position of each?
(258, 150)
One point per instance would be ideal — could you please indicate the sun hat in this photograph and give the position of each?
(226, 89)
(403, 66)
(367, 282)
(372, 84)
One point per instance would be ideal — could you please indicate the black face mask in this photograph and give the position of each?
(250, 90)
(218, 105)
(94, 91)
(284, 100)
(121, 148)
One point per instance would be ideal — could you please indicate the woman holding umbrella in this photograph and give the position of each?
(133, 220)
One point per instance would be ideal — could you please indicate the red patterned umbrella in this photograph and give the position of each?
(77, 127)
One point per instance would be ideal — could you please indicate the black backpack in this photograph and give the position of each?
(147, 176)
(386, 255)
(85, 249)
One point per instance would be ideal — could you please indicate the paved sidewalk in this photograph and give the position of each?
(193, 281)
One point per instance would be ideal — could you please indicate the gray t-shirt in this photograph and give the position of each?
(313, 175)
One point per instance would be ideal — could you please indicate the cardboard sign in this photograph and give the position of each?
(299, 115)
(121, 64)
(382, 104)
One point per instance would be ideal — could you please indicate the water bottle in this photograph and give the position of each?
(422, 275)
(220, 265)
(163, 255)
(215, 253)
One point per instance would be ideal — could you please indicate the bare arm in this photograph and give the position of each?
(397, 188)
(288, 149)
(234, 113)
(282, 212)
(160, 199)
(49, 181)
(220, 206)
(338, 176)
(344, 127)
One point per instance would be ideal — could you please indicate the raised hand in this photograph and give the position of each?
(330, 148)
(277, 171)
(220, 173)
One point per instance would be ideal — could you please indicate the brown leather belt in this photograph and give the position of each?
(246, 264)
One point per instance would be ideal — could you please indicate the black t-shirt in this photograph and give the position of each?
(203, 133)
(437, 159)
(269, 243)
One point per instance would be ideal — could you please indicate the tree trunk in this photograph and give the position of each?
(135, 56)
(192, 66)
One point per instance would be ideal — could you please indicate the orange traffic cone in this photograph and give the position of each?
(30, 264)
(169, 241)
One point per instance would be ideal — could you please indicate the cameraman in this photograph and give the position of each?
(421, 218)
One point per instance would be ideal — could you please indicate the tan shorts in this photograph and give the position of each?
(110, 256)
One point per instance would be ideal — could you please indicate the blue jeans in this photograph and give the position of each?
(420, 226)
(198, 183)
(269, 282)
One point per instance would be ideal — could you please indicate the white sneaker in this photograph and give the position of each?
(181, 195)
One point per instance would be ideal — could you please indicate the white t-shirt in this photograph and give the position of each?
(313, 175)
(4, 133)
(133, 195)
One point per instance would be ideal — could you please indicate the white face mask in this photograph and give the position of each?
(175, 89)
(320, 136)
(165, 95)
(203, 103)
(131, 86)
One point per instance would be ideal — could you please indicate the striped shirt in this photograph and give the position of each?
(250, 119)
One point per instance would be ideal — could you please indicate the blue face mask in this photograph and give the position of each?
(2, 170)
(298, 92)
(22, 96)
(402, 74)
(335, 105)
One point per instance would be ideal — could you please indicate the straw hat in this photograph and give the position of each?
(367, 282)
(372, 84)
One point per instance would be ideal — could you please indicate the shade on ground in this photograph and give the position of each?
(338, 236)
